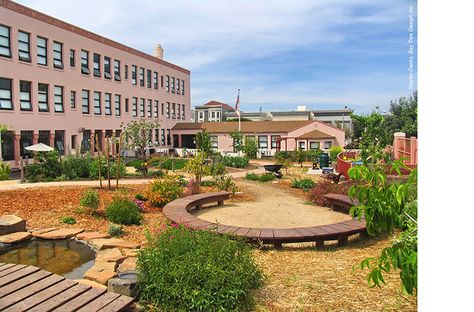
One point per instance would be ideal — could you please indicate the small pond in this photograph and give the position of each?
(64, 257)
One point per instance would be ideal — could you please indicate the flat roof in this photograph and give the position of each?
(246, 126)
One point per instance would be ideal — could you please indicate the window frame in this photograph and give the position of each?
(96, 64)
(9, 41)
(273, 139)
(118, 104)
(9, 99)
(142, 107)
(117, 70)
(58, 62)
(88, 102)
(311, 145)
(134, 75)
(97, 103)
(44, 93)
(156, 110)
(134, 107)
(148, 78)
(262, 142)
(155, 80)
(108, 104)
(28, 93)
(141, 75)
(72, 99)
(214, 140)
(72, 58)
(28, 45)
(39, 48)
(107, 67)
(85, 64)
(59, 96)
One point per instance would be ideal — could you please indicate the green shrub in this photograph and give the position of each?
(115, 230)
(184, 270)
(68, 220)
(304, 184)
(250, 148)
(251, 176)
(47, 168)
(162, 191)
(217, 169)
(235, 161)
(313, 155)
(334, 151)
(266, 177)
(4, 171)
(123, 211)
(94, 168)
(76, 166)
(140, 197)
(207, 183)
(178, 164)
(155, 173)
(90, 200)
(225, 183)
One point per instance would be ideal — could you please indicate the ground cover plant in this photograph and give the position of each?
(225, 183)
(162, 191)
(235, 161)
(115, 230)
(90, 201)
(76, 166)
(303, 183)
(185, 270)
(123, 211)
(260, 177)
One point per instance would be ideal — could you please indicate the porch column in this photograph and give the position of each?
(92, 144)
(51, 138)
(16, 148)
(35, 137)
(180, 141)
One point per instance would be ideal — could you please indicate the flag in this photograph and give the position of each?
(237, 104)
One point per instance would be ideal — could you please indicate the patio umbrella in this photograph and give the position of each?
(40, 147)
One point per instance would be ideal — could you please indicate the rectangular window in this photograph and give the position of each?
(172, 84)
(162, 109)
(73, 141)
(214, 141)
(178, 110)
(85, 62)
(23, 46)
(134, 107)
(97, 110)
(156, 109)
(5, 47)
(43, 98)
(42, 50)
(327, 144)
(314, 145)
(168, 137)
(173, 110)
(58, 55)
(275, 141)
(96, 58)
(183, 111)
(25, 96)
(108, 104)
(262, 141)
(168, 109)
(162, 81)
(167, 83)
(58, 99)
(85, 101)
(107, 74)
(117, 105)
(157, 136)
(148, 78)
(302, 145)
(142, 76)
(126, 72)
(142, 107)
(72, 58)
(200, 116)
(155, 80)
(178, 86)
(117, 70)
(163, 142)
(73, 99)
(182, 87)
(126, 105)
(134, 74)
(150, 108)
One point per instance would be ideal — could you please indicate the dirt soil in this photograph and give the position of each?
(273, 207)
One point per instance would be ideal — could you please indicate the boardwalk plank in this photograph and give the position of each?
(99, 302)
(11, 269)
(55, 301)
(6, 266)
(29, 291)
(118, 304)
(82, 300)
(21, 283)
(17, 275)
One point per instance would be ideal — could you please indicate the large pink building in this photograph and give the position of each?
(62, 85)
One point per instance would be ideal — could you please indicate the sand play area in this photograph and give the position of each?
(273, 207)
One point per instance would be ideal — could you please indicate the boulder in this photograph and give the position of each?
(15, 237)
(91, 235)
(59, 234)
(123, 286)
(11, 224)
(129, 264)
(101, 272)
(109, 255)
(130, 252)
(104, 243)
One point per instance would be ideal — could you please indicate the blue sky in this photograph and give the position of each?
(323, 54)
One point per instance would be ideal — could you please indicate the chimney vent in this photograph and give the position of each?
(159, 51)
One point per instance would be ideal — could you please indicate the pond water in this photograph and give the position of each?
(64, 257)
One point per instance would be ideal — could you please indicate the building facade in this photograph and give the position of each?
(271, 136)
(64, 86)
(212, 111)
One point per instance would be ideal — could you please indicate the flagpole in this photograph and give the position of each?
(239, 111)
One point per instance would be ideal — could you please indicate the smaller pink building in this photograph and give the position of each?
(271, 136)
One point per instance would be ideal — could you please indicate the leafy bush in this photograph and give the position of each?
(90, 200)
(251, 176)
(192, 188)
(94, 168)
(198, 166)
(184, 270)
(76, 166)
(4, 171)
(47, 168)
(334, 151)
(225, 183)
(313, 155)
(155, 173)
(68, 220)
(207, 183)
(304, 184)
(217, 169)
(250, 148)
(178, 164)
(322, 188)
(162, 191)
(266, 177)
(235, 161)
(123, 211)
(140, 197)
(115, 230)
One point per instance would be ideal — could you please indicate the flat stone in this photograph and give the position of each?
(91, 283)
(91, 235)
(101, 272)
(129, 264)
(11, 224)
(15, 237)
(104, 243)
(59, 234)
(37, 232)
(126, 287)
(110, 255)
(130, 252)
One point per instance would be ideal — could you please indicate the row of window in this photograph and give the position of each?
(173, 110)
(171, 84)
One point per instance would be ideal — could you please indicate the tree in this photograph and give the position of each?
(139, 134)
(237, 140)
(388, 206)
(203, 142)
(300, 156)
(198, 167)
(250, 148)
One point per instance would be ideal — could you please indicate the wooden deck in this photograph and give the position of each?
(178, 211)
(28, 288)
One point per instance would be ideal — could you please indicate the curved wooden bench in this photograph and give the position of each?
(340, 202)
(178, 211)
